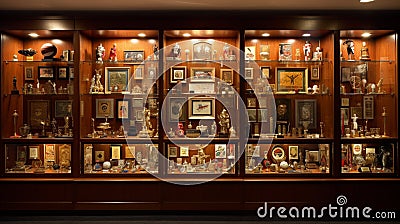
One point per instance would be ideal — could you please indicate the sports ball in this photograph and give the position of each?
(48, 50)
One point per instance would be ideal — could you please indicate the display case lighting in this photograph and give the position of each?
(306, 35)
(142, 35)
(365, 35)
(366, 1)
(265, 34)
(34, 35)
(186, 35)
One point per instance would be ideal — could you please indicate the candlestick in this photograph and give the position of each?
(384, 115)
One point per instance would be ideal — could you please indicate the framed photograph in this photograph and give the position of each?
(34, 152)
(178, 73)
(278, 153)
(250, 53)
(116, 79)
(313, 156)
(62, 108)
(65, 55)
(285, 52)
(306, 113)
(184, 151)
(345, 102)
(99, 156)
(39, 111)
(357, 149)
(46, 72)
(344, 116)
(139, 115)
(283, 109)
(357, 111)
(138, 73)
(248, 73)
(368, 107)
(252, 113)
(123, 109)
(202, 108)
(130, 151)
(62, 73)
(314, 72)
(49, 153)
(152, 73)
(293, 152)
(256, 133)
(137, 102)
(265, 72)
(172, 151)
(345, 74)
(104, 107)
(153, 103)
(202, 87)
(291, 79)
(262, 115)
(177, 109)
(134, 56)
(220, 151)
(28, 73)
(202, 74)
(115, 152)
(202, 51)
(226, 75)
(251, 102)
(71, 72)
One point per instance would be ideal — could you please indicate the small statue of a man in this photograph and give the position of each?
(355, 124)
(113, 53)
(307, 50)
(365, 52)
(100, 52)
(224, 121)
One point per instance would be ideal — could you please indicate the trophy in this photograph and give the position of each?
(384, 115)
(15, 117)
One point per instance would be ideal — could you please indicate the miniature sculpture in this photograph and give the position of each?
(100, 51)
(155, 52)
(226, 51)
(365, 52)
(307, 50)
(113, 53)
(355, 125)
(95, 85)
(15, 91)
(224, 122)
(350, 49)
(176, 51)
(384, 115)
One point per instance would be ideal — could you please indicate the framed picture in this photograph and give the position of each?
(99, 156)
(306, 113)
(116, 79)
(28, 73)
(45, 72)
(39, 111)
(357, 111)
(152, 73)
(345, 102)
(357, 149)
(313, 156)
(291, 79)
(134, 56)
(344, 116)
(368, 107)
(265, 72)
(172, 151)
(278, 153)
(226, 75)
(65, 55)
(345, 74)
(49, 153)
(251, 102)
(220, 151)
(130, 151)
(184, 151)
(178, 73)
(115, 152)
(314, 72)
(250, 53)
(71, 72)
(252, 113)
(137, 102)
(152, 102)
(202, 51)
(283, 109)
(34, 152)
(262, 115)
(62, 72)
(177, 109)
(123, 109)
(202, 108)
(104, 107)
(202, 87)
(285, 52)
(293, 152)
(256, 132)
(138, 73)
(62, 108)
(248, 73)
(202, 74)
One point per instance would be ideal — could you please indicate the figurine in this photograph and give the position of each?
(155, 52)
(176, 51)
(113, 53)
(307, 50)
(380, 85)
(100, 51)
(224, 122)
(350, 48)
(15, 91)
(365, 52)
(226, 51)
(317, 54)
(187, 51)
(355, 125)
(180, 132)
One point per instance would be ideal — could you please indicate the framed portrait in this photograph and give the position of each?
(357, 149)
(293, 152)
(306, 113)
(314, 72)
(250, 52)
(368, 107)
(138, 74)
(283, 109)
(291, 79)
(357, 111)
(62, 108)
(177, 109)
(220, 151)
(116, 79)
(151, 73)
(62, 72)
(104, 107)
(344, 116)
(202, 51)
(202, 108)
(172, 151)
(251, 102)
(49, 153)
(178, 73)
(252, 113)
(99, 156)
(248, 73)
(184, 151)
(345, 102)
(46, 72)
(202, 74)
(28, 73)
(226, 75)
(265, 72)
(39, 111)
(262, 115)
(115, 151)
(123, 109)
(345, 74)
(130, 151)
(136, 56)
(285, 52)
(34, 152)
(137, 102)
(139, 115)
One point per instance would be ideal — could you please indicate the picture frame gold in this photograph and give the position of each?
(202, 74)
(177, 73)
(104, 107)
(172, 151)
(133, 56)
(249, 73)
(39, 111)
(293, 152)
(49, 153)
(306, 113)
(28, 73)
(184, 151)
(64, 156)
(115, 152)
(315, 73)
(202, 51)
(130, 151)
(116, 79)
(220, 151)
(265, 72)
(99, 156)
(201, 108)
(123, 109)
(34, 152)
(291, 79)
(226, 75)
